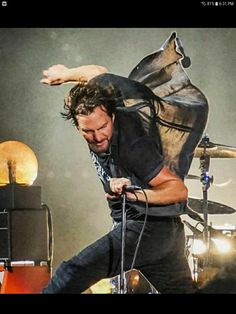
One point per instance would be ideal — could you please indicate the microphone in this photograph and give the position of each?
(131, 188)
(186, 62)
(195, 231)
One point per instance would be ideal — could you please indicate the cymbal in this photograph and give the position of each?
(215, 150)
(213, 208)
(17, 162)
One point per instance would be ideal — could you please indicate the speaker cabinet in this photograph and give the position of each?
(24, 234)
(20, 196)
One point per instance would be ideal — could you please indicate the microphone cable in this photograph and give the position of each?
(50, 236)
(142, 230)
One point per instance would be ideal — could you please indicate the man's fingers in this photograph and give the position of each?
(50, 82)
(117, 184)
(45, 72)
(45, 81)
(111, 197)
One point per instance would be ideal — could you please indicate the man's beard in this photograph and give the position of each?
(99, 149)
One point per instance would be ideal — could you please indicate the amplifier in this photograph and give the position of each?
(20, 196)
(24, 234)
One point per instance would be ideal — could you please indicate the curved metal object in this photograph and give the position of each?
(215, 151)
(18, 163)
(213, 208)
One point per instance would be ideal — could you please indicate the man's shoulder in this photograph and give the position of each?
(133, 122)
(129, 123)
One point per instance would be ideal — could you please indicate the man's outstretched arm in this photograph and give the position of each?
(59, 74)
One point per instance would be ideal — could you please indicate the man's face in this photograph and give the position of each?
(97, 129)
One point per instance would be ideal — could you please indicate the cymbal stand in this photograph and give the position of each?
(206, 180)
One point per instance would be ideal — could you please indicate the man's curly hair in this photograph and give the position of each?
(84, 98)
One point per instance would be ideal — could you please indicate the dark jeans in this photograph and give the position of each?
(161, 258)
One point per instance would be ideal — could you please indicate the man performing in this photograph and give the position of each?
(141, 132)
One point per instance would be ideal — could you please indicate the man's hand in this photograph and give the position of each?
(117, 184)
(117, 187)
(55, 75)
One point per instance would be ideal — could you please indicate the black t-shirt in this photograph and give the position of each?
(135, 152)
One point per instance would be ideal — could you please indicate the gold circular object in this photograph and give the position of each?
(18, 163)
(215, 150)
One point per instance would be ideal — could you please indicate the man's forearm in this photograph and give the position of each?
(84, 73)
(60, 74)
(166, 193)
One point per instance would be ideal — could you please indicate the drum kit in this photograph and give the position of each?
(211, 248)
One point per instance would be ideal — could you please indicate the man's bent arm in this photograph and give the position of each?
(165, 188)
(60, 74)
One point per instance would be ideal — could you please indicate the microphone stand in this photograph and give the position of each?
(206, 180)
(122, 286)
